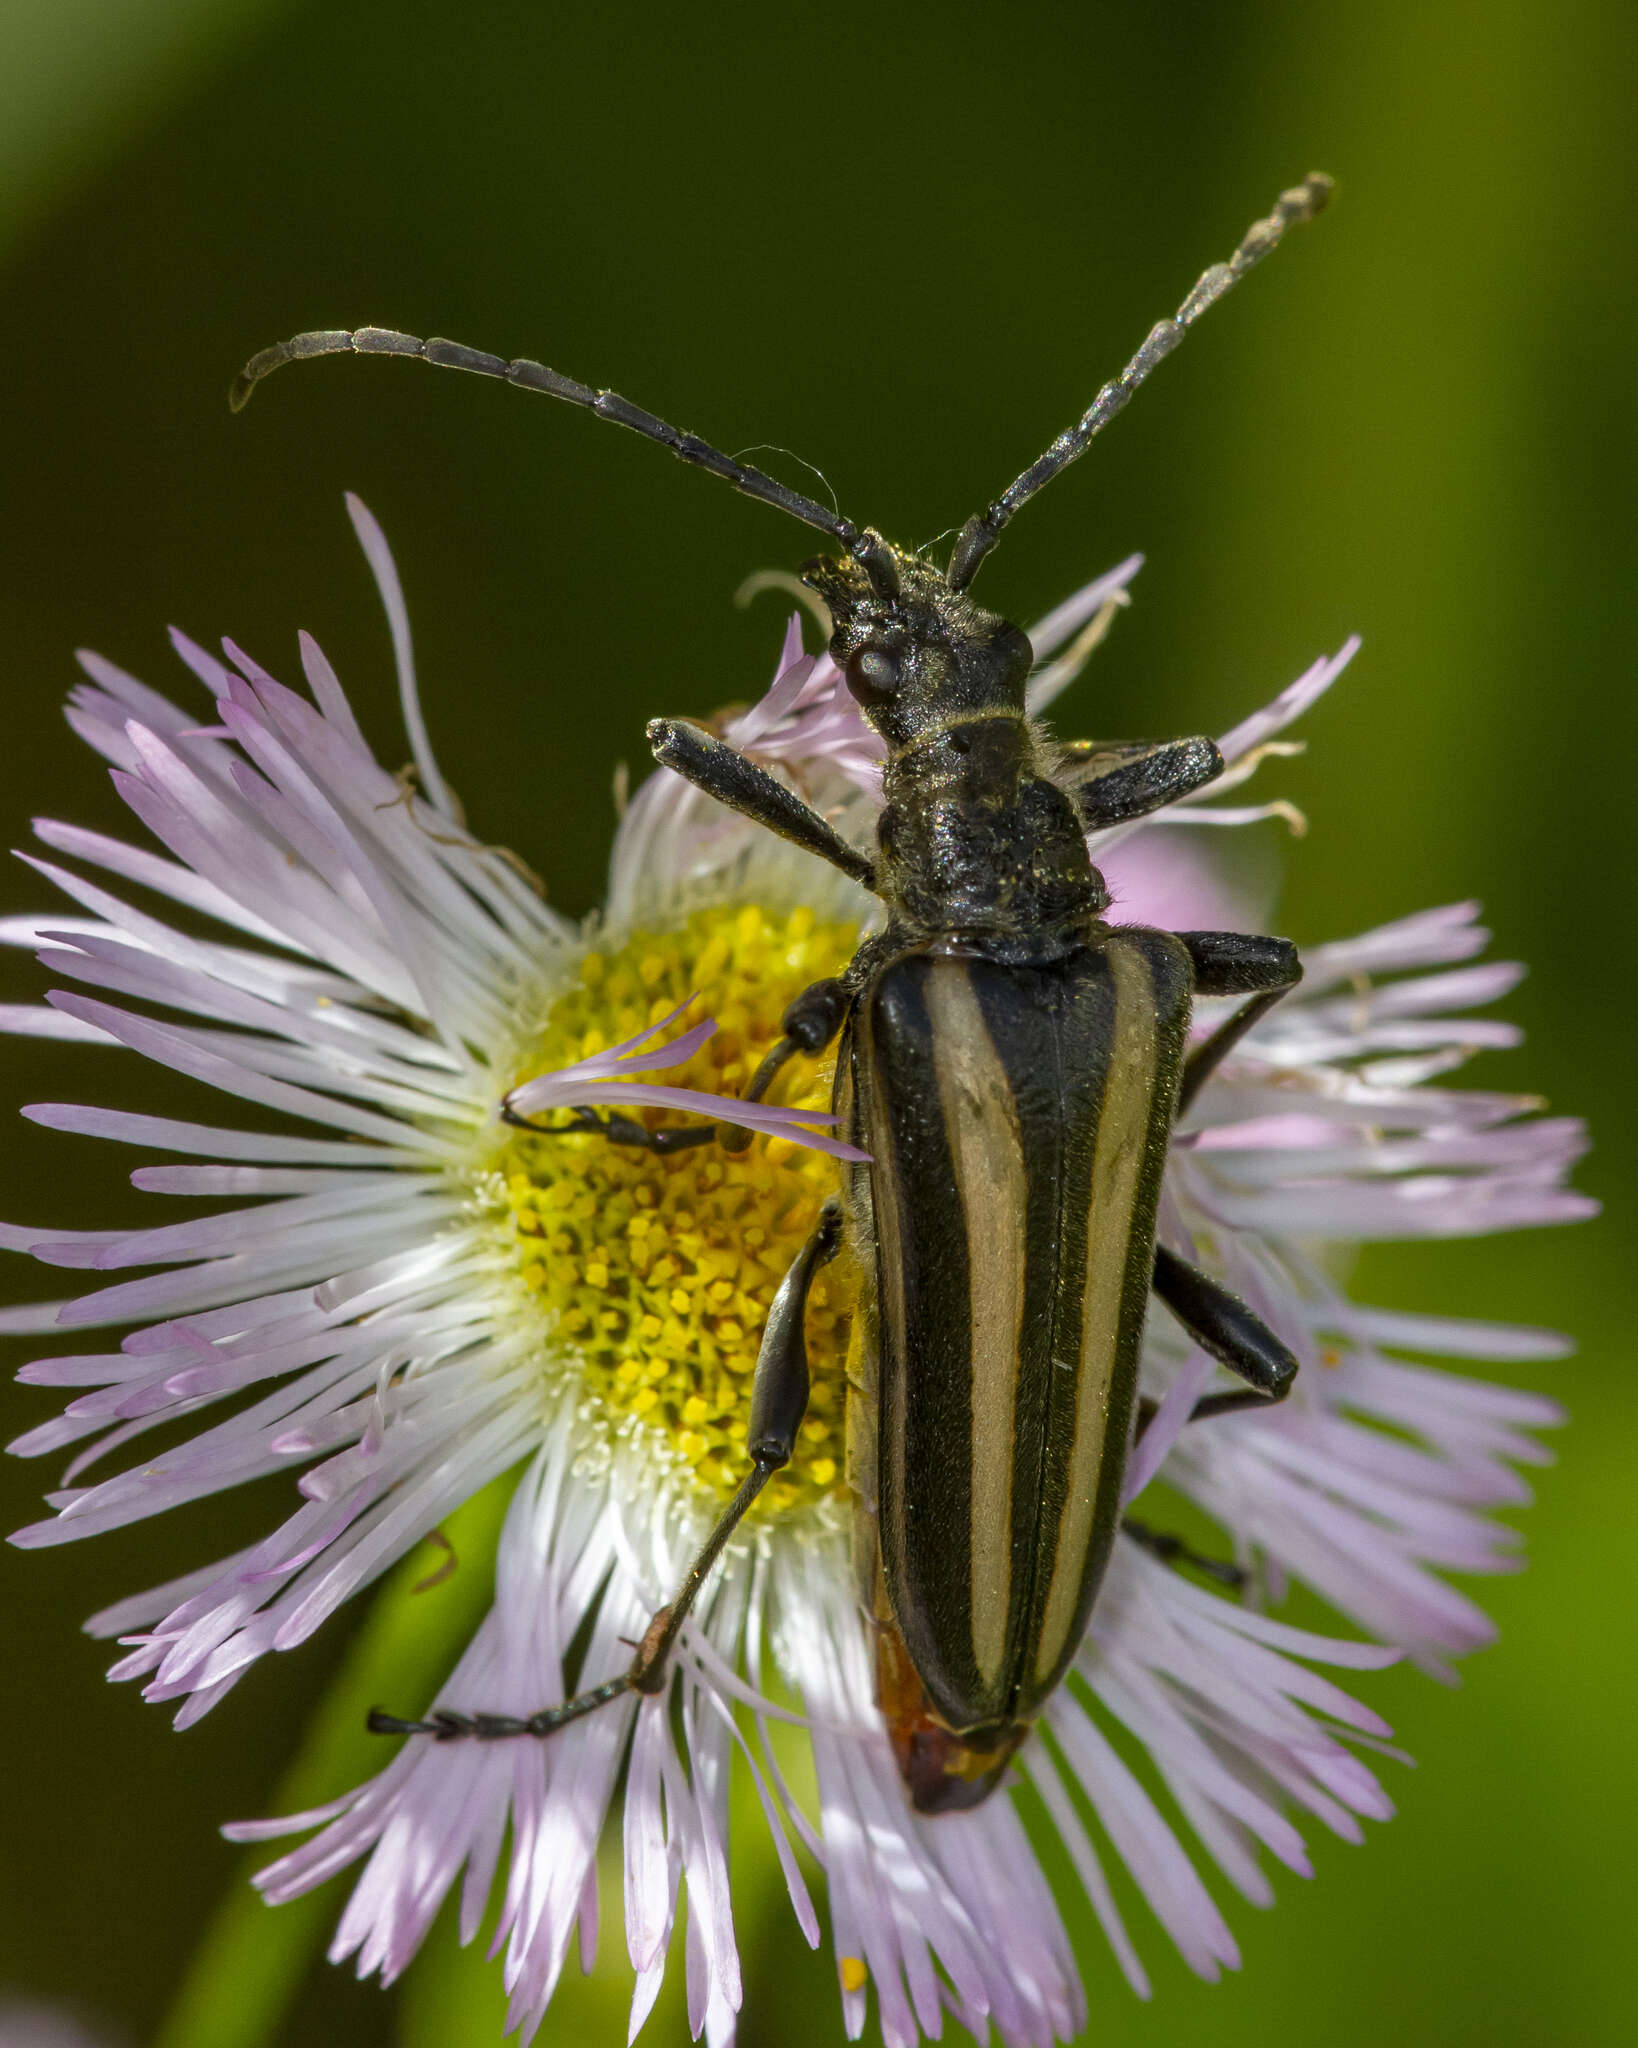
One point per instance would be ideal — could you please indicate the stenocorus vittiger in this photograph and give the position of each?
(1013, 1066)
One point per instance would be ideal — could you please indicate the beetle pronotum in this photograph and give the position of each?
(1013, 1067)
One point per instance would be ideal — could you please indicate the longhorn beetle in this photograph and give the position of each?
(1013, 1067)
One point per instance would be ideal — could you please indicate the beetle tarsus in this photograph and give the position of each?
(1173, 1550)
(619, 1130)
(444, 1724)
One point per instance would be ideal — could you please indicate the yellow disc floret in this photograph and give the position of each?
(655, 1272)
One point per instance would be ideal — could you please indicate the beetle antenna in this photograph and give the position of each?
(981, 532)
(865, 546)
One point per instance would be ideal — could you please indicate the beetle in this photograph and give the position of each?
(1012, 1067)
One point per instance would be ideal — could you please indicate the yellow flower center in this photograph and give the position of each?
(656, 1271)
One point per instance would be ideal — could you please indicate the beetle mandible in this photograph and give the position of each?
(1014, 1067)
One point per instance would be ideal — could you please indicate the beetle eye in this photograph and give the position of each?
(872, 673)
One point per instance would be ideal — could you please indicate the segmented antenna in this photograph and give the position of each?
(981, 532)
(865, 546)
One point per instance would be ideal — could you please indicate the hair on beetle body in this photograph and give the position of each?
(1012, 1067)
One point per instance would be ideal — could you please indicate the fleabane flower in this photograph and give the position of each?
(448, 1269)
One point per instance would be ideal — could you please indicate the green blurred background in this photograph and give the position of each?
(906, 243)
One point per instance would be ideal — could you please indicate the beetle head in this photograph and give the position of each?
(914, 652)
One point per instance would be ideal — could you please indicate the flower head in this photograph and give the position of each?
(453, 1263)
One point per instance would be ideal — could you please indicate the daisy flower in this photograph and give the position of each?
(406, 1297)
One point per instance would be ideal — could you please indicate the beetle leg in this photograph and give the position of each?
(808, 1026)
(619, 1130)
(1112, 782)
(1234, 964)
(723, 772)
(1173, 1550)
(1221, 1324)
(779, 1400)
